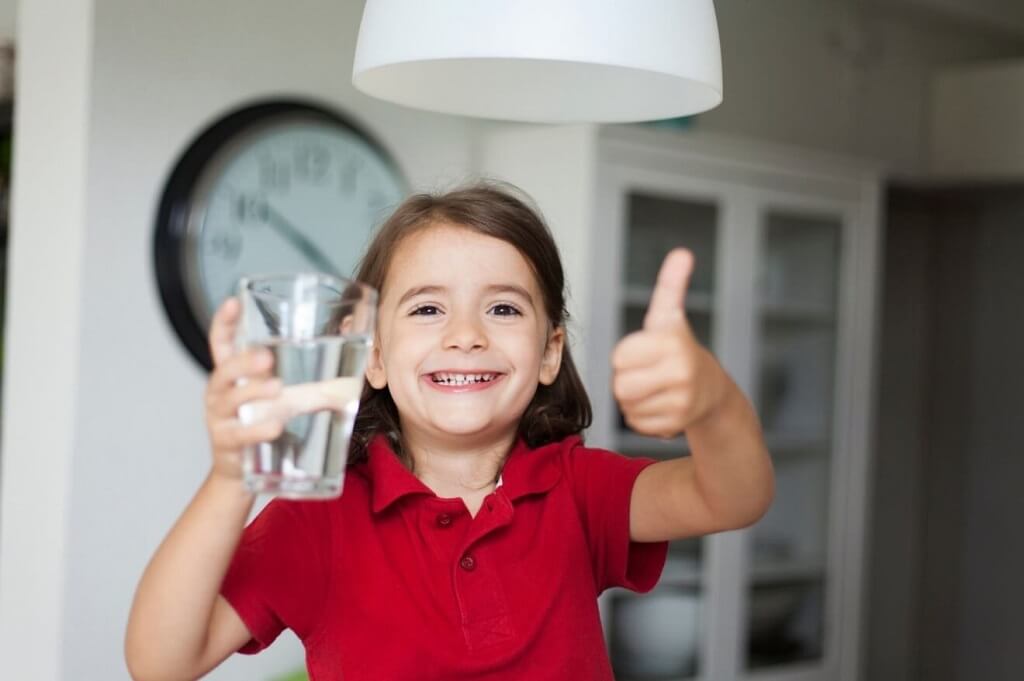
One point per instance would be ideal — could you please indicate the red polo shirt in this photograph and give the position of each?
(389, 582)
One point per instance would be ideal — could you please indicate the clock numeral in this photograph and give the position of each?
(312, 163)
(274, 176)
(348, 175)
(250, 208)
(226, 246)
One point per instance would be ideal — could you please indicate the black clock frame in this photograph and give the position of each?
(174, 209)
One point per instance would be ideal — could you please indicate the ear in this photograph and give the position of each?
(551, 362)
(376, 375)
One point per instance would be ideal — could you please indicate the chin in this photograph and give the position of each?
(473, 428)
(463, 427)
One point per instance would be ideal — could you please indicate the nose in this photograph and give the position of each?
(465, 332)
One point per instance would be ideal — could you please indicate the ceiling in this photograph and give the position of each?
(1006, 16)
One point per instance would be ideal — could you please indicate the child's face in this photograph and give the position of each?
(463, 339)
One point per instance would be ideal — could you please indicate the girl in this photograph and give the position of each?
(476, 530)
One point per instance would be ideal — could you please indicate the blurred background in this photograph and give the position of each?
(856, 206)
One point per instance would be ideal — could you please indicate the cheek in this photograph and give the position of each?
(529, 351)
(404, 351)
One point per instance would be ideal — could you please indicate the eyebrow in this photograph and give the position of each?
(493, 288)
(420, 290)
(513, 289)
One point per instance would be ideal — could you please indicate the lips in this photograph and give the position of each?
(451, 378)
(462, 381)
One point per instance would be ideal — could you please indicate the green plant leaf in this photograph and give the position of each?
(299, 675)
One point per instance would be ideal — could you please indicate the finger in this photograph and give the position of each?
(222, 330)
(644, 349)
(658, 426)
(635, 385)
(231, 435)
(671, 404)
(304, 398)
(254, 363)
(669, 296)
(247, 392)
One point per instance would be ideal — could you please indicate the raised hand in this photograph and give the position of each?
(237, 378)
(663, 378)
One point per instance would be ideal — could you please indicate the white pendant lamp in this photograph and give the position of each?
(543, 61)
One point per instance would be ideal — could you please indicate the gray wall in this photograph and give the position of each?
(992, 597)
(946, 556)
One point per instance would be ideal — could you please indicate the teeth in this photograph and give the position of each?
(462, 379)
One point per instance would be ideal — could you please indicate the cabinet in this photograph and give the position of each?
(786, 248)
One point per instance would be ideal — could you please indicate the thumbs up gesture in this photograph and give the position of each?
(663, 378)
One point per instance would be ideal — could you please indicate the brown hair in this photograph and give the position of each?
(486, 207)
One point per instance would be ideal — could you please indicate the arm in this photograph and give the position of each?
(726, 483)
(179, 626)
(667, 383)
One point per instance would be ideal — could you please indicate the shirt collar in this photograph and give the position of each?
(526, 471)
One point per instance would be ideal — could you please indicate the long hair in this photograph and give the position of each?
(486, 207)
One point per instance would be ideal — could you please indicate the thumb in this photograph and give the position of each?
(669, 296)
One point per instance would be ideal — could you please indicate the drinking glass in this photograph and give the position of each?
(319, 329)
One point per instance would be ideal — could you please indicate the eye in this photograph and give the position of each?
(425, 311)
(506, 310)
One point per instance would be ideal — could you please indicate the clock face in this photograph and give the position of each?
(293, 195)
(271, 189)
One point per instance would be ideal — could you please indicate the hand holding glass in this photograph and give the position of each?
(319, 329)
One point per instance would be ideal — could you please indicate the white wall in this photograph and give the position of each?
(159, 73)
(8, 13)
(44, 318)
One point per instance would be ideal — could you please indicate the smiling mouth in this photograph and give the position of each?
(456, 379)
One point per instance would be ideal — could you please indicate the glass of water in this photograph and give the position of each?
(319, 329)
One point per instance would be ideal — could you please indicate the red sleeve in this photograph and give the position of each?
(602, 483)
(277, 578)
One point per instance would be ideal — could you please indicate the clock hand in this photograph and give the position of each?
(297, 239)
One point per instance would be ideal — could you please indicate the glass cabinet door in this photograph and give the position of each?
(657, 636)
(797, 283)
(656, 225)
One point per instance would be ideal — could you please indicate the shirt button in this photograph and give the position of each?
(467, 563)
(444, 520)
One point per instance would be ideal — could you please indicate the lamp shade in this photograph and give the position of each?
(548, 61)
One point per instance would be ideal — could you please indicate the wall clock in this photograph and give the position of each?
(275, 187)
